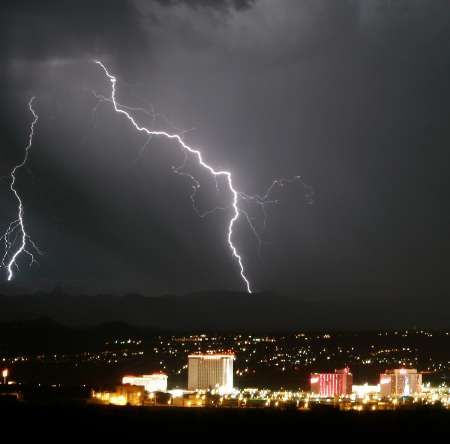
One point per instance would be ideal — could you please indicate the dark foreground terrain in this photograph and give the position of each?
(128, 424)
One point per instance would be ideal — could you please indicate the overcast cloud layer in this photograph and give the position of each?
(352, 95)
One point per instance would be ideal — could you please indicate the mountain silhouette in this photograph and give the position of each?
(220, 310)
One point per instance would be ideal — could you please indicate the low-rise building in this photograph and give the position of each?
(156, 382)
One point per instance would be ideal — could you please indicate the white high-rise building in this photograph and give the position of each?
(211, 371)
(156, 382)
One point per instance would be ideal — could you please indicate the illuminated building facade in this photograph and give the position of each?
(211, 371)
(366, 390)
(330, 385)
(124, 395)
(400, 382)
(156, 382)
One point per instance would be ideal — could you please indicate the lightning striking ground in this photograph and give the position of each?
(237, 196)
(16, 238)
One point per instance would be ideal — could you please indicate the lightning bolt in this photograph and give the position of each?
(16, 232)
(236, 195)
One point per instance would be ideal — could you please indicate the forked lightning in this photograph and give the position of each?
(236, 195)
(16, 238)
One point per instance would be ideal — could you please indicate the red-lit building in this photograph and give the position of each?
(330, 385)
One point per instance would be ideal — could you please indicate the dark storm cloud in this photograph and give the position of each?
(351, 94)
(50, 29)
(217, 4)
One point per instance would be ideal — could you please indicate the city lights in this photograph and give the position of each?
(242, 370)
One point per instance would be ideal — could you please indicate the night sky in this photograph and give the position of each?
(352, 95)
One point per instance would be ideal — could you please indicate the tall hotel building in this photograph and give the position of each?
(210, 371)
(329, 385)
(400, 382)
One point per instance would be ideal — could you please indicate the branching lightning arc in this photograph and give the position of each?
(16, 238)
(236, 195)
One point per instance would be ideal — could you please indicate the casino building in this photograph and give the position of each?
(400, 382)
(211, 371)
(330, 385)
(156, 382)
